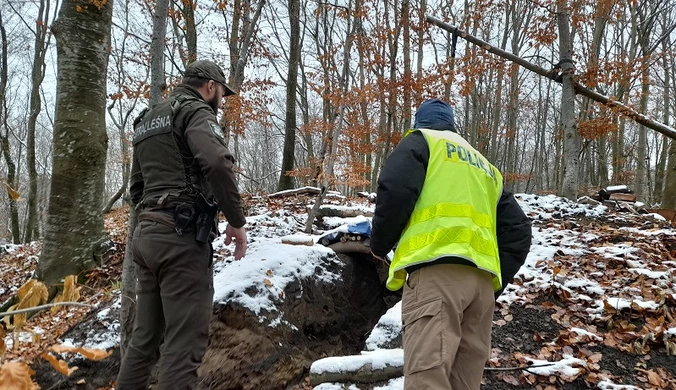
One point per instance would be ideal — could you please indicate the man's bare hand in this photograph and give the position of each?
(239, 236)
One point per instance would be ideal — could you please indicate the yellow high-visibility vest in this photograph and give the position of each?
(455, 214)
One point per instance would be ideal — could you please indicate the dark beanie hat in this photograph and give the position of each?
(434, 114)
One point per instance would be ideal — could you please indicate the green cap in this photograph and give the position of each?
(205, 69)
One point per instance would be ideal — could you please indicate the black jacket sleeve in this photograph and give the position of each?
(399, 185)
(135, 181)
(514, 237)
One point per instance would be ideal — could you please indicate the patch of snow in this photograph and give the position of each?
(281, 193)
(297, 238)
(393, 384)
(649, 273)
(387, 329)
(586, 285)
(334, 222)
(359, 208)
(608, 385)
(379, 359)
(670, 332)
(657, 216)
(334, 386)
(649, 232)
(11, 248)
(244, 281)
(621, 303)
(584, 332)
(616, 188)
(561, 367)
(618, 251)
(554, 207)
(106, 338)
(103, 314)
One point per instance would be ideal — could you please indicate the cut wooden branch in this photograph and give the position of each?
(377, 366)
(297, 191)
(298, 240)
(351, 247)
(554, 75)
(315, 209)
(365, 374)
(45, 306)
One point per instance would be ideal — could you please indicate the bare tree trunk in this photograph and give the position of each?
(285, 179)
(190, 30)
(74, 231)
(669, 197)
(571, 138)
(239, 50)
(4, 140)
(157, 81)
(345, 85)
(37, 75)
(660, 169)
(407, 82)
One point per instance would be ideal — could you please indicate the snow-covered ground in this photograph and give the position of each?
(543, 270)
(257, 282)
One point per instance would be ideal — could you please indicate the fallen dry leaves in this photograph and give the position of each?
(17, 376)
(635, 273)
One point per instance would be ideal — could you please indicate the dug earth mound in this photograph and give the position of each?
(321, 319)
(308, 304)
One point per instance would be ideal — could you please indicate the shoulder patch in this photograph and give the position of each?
(216, 129)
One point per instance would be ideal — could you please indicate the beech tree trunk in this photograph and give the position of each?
(74, 231)
(285, 179)
(571, 138)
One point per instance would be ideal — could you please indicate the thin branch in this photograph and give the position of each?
(553, 75)
(45, 306)
(525, 368)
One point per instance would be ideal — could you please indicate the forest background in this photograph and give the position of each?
(327, 89)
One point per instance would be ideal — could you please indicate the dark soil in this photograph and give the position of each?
(520, 334)
(330, 320)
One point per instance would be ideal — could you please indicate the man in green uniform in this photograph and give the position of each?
(182, 174)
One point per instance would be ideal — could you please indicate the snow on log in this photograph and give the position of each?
(298, 191)
(370, 367)
(344, 211)
(371, 196)
(298, 239)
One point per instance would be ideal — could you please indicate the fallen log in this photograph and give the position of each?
(351, 247)
(377, 366)
(342, 211)
(623, 197)
(298, 191)
(298, 239)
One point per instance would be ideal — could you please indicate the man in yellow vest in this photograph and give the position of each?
(462, 238)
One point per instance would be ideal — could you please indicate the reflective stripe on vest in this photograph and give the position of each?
(455, 215)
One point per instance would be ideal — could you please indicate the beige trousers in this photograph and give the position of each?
(447, 311)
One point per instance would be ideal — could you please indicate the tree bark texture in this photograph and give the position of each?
(4, 140)
(37, 75)
(74, 226)
(157, 82)
(571, 138)
(285, 179)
